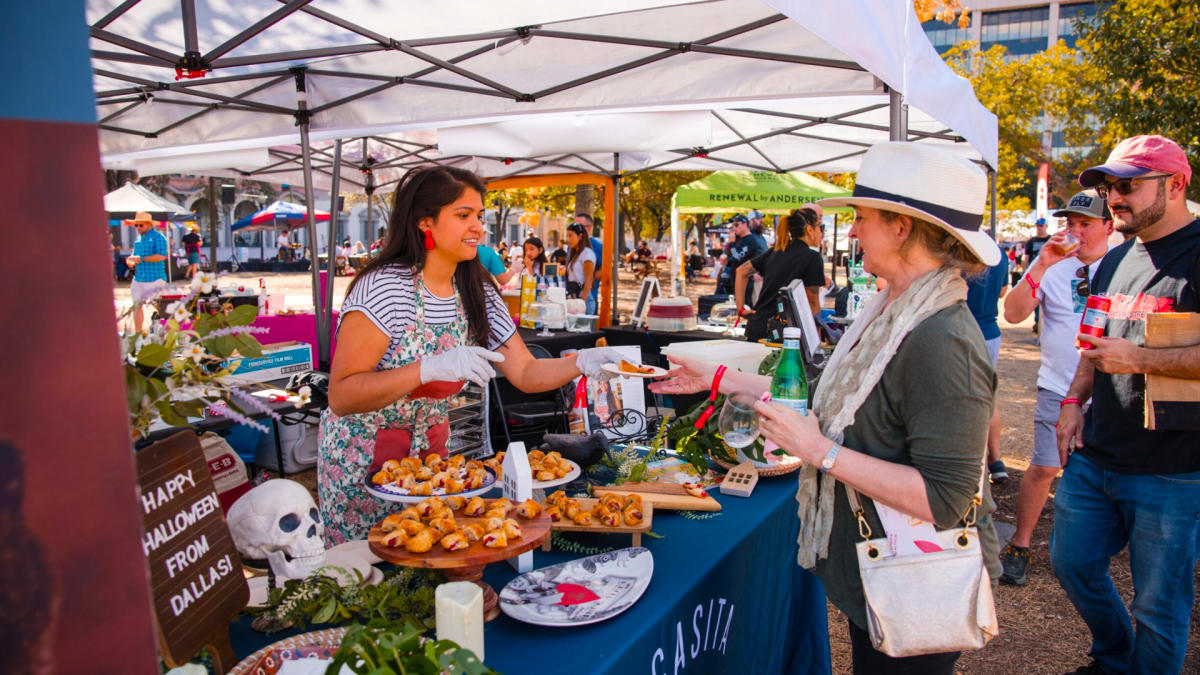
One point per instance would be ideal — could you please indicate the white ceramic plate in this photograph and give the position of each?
(580, 592)
(571, 475)
(392, 493)
(359, 548)
(616, 370)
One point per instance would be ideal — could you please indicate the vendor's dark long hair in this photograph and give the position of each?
(584, 242)
(793, 227)
(423, 193)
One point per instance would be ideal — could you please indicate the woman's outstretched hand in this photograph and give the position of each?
(690, 377)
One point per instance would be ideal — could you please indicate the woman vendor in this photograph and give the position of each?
(581, 266)
(901, 411)
(420, 319)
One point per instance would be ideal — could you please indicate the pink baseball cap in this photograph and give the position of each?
(1140, 155)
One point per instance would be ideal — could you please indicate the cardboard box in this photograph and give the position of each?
(279, 361)
(1172, 403)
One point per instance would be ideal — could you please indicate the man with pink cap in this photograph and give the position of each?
(1125, 485)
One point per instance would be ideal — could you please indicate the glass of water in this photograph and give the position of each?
(738, 421)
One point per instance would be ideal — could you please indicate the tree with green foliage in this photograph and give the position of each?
(646, 201)
(1020, 91)
(1144, 55)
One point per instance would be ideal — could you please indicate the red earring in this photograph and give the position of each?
(429, 240)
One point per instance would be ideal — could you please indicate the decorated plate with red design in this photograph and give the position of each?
(580, 592)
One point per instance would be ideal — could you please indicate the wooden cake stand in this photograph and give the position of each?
(468, 564)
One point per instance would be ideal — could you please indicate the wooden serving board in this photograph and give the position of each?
(664, 496)
(586, 503)
(534, 532)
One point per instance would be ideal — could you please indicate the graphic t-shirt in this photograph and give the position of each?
(1142, 278)
(737, 252)
(1062, 308)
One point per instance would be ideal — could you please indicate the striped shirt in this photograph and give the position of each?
(151, 243)
(387, 296)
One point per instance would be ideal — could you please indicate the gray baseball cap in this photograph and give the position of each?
(1086, 203)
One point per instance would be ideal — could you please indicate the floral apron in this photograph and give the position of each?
(348, 443)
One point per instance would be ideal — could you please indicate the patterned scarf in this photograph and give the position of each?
(853, 371)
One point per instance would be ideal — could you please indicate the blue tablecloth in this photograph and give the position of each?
(726, 597)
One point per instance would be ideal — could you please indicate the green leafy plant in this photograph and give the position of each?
(173, 372)
(405, 594)
(382, 647)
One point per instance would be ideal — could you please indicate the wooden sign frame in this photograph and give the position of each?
(648, 292)
(196, 579)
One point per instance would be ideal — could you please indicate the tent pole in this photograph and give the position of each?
(212, 225)
(608, 278)
(897, 116)
(834, 257)
(324, 336)
(302, 116)
(992, 180)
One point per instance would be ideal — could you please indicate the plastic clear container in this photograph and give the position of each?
(744, 356)
(582, 323)
(671, 314)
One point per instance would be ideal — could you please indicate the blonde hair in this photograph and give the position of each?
(792, 228)
(943, 246)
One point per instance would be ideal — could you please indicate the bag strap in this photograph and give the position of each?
(968, 518)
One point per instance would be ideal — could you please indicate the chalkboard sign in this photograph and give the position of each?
(195, 575)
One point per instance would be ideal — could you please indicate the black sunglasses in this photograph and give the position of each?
(1081, 286)
(1125, 185)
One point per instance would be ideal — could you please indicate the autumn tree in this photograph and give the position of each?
(646, 200)
(1020, 92)
(1145, 55)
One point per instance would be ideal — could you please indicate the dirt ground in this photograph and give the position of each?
(1040, 632)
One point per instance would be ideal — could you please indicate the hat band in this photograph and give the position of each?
(959, 220)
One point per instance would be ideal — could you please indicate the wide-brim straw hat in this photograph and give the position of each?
(926, 182)
(140, 217)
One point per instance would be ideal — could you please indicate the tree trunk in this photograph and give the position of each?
(584, 199)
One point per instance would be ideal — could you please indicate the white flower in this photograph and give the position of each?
(305, 395)
(180, 313)
(194, 351)
(141, 340)
(203, 281)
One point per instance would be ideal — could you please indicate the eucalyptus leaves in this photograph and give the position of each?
(405, 594)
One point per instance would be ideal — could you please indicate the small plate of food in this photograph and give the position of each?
(411, 480)
(625, 368)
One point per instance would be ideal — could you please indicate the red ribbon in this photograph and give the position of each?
(712, 399)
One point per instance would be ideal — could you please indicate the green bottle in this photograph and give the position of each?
(789, 386)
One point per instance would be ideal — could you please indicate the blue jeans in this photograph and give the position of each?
(590, 303)
(1096, 514)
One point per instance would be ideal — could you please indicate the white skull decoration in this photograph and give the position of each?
(279, 521)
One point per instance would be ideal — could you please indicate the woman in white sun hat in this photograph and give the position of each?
(901, 411)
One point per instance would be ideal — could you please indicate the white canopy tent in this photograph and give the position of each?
(783, 85)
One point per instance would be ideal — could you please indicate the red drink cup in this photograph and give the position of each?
(1095, 318)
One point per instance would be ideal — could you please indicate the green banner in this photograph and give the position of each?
(766, 191)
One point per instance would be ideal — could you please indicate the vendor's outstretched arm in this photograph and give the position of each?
(530, 374)
(693, 376)
(354, 384)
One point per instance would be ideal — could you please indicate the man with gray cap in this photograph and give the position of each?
(1057, 282)
(1124, 484)
(745, 247)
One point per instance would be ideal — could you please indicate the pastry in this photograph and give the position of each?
(561, 470)
(535, 456)
(381, 478)
(456, 461)
(529, 509)
(633, 500)
(511, 529)
(611, 519)
(394, 539)
(557, 497)
(496, 513)
(612, 501)
(473, 532)
(432, 459)
(420, 542)
(599, 509)
(570, 508)
(410, 463)
(442, 512)
(628, 367)
(582, 518)
(455, 541)
(554, 512)
(475, 507)
(495, 539)
(454, 486)
(493, 524)
(423, 473)
(633, 515)
(501, 502)
(390, 523)
(407, 481)
(554, 456)
(439, 479)
(391, 466)
(411, 513)
(421, 489)
(443, 526)
(426, 507)
(456, 503)
(411, 527)
(545, 475)
(695, 490)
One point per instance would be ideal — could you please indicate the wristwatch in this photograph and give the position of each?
(830, 458)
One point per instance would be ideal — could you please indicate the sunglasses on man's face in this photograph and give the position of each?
(1081, 287)
(1125, 186)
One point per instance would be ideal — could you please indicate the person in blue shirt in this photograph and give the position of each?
(983, 299)
(149, 265)
(494, 264)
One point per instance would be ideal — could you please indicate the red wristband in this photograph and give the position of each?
(712, 399)
(1068, 401)
(1033, 285)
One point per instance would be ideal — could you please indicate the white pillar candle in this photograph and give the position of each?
(460, 614)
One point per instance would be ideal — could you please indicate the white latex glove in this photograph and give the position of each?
(589, 362)
(460, 363)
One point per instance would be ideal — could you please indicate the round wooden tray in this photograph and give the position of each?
(295, 647)
(468, 564)
(779, 470)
